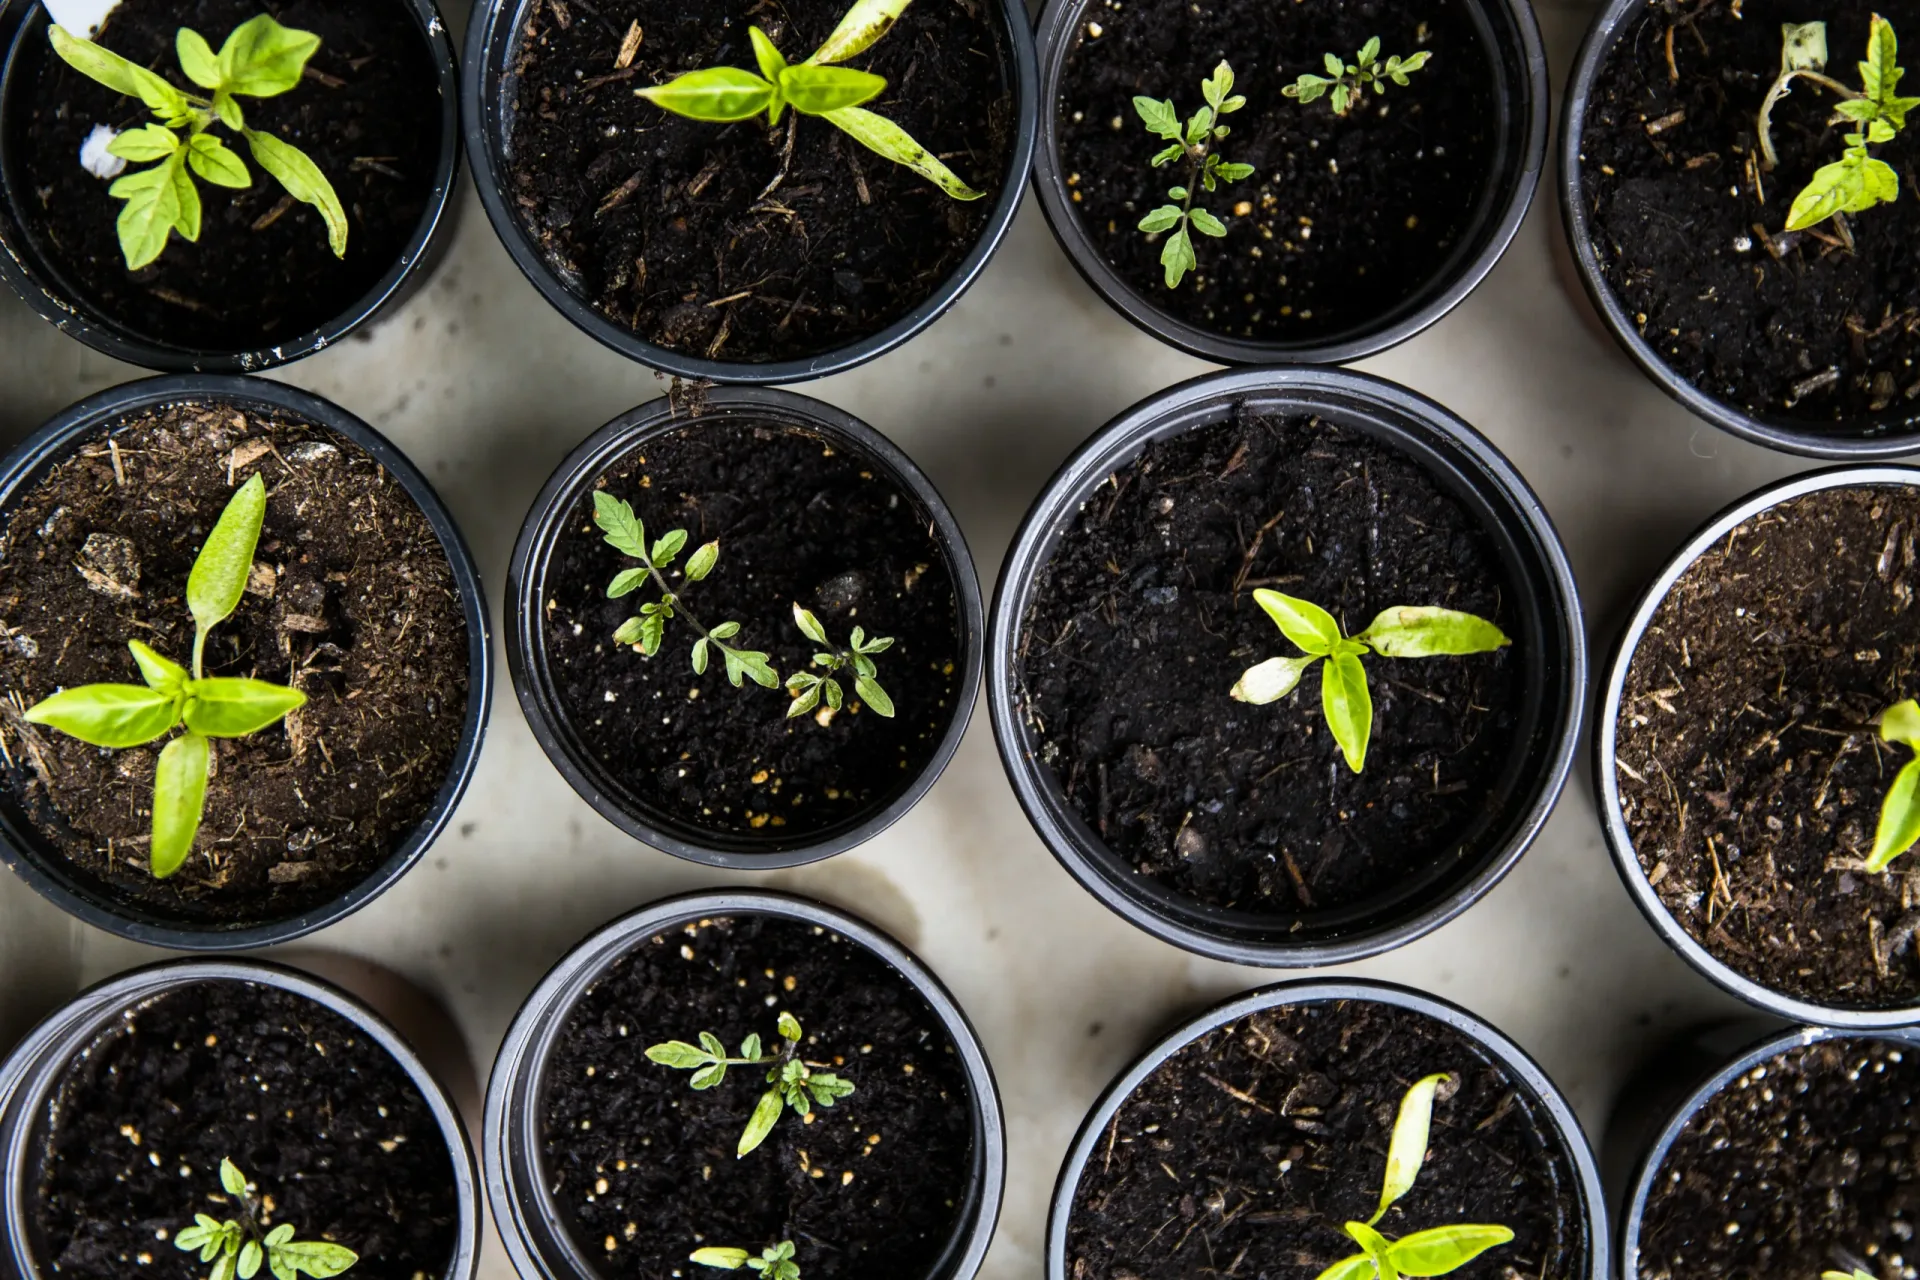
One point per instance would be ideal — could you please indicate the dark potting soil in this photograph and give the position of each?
(1144, 619)
(1343, 219)
(1808, 1156)
(644, 1166)
(1245, 1152)
(352, 601)
(334, 1135)
(718, 241)
(1803, 330)
(368, 113)
(1750, 770)
(799, 520)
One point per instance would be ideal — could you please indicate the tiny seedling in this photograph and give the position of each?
(807, 689)
(1348, 82)
(1437, 1251)
(648, 628)
(1856, 1274)
(1404, 631)
(816, 87)
(775, 1263)
(1899, 824)
(117, 716)
(795, 1084)
(1194, 142)
(238, 1246)
(261, 59)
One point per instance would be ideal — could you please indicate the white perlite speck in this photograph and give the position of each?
(94, 156)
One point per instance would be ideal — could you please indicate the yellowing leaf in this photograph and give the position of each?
(1408, 1149)
(1408, 631)
(303, 180)
(885, 138)
(859, 30)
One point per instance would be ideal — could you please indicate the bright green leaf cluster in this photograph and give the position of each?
(807, 689)
(261, 59)
(1899, 824)
(1194, 142)
(237, 1247)
(1349, 81)
(813, 88)
(1404, 631)
(775, 1263)
(130, 715)
(794, 1084)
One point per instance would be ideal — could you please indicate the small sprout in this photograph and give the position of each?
(1858, 1273)
(1899, 824)
(807, 689)
(1437, 1251)
(1404, 631)
(1349, 81)
(118, 716)
(261, 59)
(1194, 142)
(795, 1084)
(775, 1263)
(237, 1247)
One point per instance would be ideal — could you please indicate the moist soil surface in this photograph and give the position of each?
(1750, 770)
(1245, 1152)
(1802, 329)
(1144, 619)
(352, 601)
(328, 1128)
(1808, 1157)
(645, 1168)
(368, 113)
(718, 241)
(1343, 219)
(799, 520)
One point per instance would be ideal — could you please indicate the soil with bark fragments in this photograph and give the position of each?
(1245, 1152)
(1805, 1159)
(352, 601)
(798, 520)
(1144, 619)
(644, 1167)
(1751, 772)
(368, 113)
(1785, 324)
(332, 1133)
(1343, 219)
(724, 241)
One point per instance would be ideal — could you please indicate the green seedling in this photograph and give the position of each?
(118, 716)
(1193, 142)
(1856, 1274)
(794, 1084)
(261, 59)
(775, 1263)
(1436, 1251)
(1899, 825)
(238, 1246)
(815, 87)
(1404, 631)
(808, 689)
(1348, 82)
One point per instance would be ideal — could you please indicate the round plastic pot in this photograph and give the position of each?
(31, 1074)
(39, 281)
(532, 1225)
(535, 680)
(34, 859)
(1510, 34)
(1606, 777)
(494, 39)
(1550, 639)
(1589, 1203)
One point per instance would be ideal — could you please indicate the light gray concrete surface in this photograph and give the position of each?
(487, 389)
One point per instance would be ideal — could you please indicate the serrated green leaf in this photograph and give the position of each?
(1348, 706)
(874, 696)
(213, 160)
(1159, 117)
(1233, 172)
(316, 1258)
(197, 58)
(1308, 88)
(701, 562)
(148, 142)
(1197, 125)
(263, 59)
(153, 210)
(1443, 1250)
(653, 631)
(1169, 155)
(1271, 680)
(667, 549)
(885, 138)
(1408, 631)
(626, 582)
(1176, 257)
(117, 73)
(716, 95)
(749, 664)
(1852, 184)
(815, 90)
(301, 177)
(724, 1259)
(678, 1054)
(624, 531)
(765, 1115)
(1309, 626)
(234, 708)
(218, 579)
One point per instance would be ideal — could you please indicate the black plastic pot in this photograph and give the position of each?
(493, 49)
(534, 679)
(1512, 36)
(34, 860)
(37, 280)
(1551, 636)
(529, 1221)
(31, 1073)
(1546, 1102)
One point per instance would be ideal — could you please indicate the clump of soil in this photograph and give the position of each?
(1245, 1152)
(737, 242)
(1751, 772)
(798, 519)
(352, 601)
(644, 1167)
(1808, 1157)
(367, 112)
(1782, 324)
(1343, 219)
(327, 1126)
(1144, 619)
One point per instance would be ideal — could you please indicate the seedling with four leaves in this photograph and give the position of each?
(1348, 82)
(808, 689)
(775, 1263)
(1194, 142)
(237, 1246)
(1899, 825)
(794, 1083)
